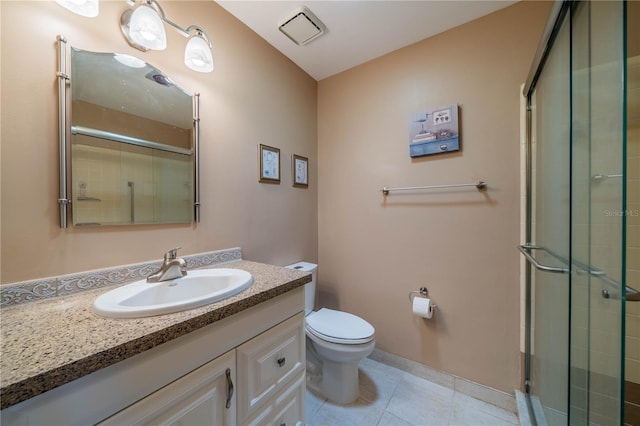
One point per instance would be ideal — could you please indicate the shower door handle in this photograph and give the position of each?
(632, 295)
(525, 250)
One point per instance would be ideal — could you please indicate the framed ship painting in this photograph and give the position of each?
(434, 132)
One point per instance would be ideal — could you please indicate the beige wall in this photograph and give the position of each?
(254, 96)
(461, 244)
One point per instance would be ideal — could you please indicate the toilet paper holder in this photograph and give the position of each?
(422, 292)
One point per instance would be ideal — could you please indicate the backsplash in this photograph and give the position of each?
(45, 288)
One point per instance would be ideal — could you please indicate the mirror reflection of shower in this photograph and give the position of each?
(132, 204)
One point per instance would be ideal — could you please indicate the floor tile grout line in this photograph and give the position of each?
(452, 408)
(386, 406)
(324, 401)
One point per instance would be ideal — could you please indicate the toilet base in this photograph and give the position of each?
(340, 381)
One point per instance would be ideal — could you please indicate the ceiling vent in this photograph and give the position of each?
(302, 27)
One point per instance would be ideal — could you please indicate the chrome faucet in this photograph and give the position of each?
(172, 267)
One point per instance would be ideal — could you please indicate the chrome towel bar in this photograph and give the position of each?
(480, 185)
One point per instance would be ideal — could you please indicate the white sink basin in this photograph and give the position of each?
(197, 288)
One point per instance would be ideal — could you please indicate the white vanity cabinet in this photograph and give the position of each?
(260, 351)
(263, 377)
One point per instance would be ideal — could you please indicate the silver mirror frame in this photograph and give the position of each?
(196, 160)
(63, 131)
(63, 81)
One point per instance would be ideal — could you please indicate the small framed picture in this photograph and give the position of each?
(269, 164)
(300, 171)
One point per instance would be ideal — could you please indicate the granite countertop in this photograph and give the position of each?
(49, 343)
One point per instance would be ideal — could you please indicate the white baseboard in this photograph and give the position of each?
(523, 409)
(459, 384)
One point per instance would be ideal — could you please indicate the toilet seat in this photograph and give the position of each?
(339, 327)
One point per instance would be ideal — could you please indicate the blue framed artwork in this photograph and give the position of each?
(434, 131)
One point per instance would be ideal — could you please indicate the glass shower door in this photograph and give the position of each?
(549, 233)
(598, 213)
(576, 219)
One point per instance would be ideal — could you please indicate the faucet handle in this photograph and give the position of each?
(172, 254)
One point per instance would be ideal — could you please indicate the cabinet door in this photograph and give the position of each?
(268, 363)
(203, 397)
(285, 408)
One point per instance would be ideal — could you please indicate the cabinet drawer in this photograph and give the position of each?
(268, 362)
(286, 408)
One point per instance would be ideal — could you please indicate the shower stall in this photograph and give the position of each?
(583, 226)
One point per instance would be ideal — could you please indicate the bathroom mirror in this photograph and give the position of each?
(133, 143)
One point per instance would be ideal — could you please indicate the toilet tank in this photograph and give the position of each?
(309, 288)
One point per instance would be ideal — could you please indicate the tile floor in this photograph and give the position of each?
(389, 396)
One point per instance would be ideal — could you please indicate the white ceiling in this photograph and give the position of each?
(357, 30)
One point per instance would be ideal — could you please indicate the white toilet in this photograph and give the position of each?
(336, 342)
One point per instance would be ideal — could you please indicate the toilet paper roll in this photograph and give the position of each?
(422, 307)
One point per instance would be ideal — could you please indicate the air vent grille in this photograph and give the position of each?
(303, 27)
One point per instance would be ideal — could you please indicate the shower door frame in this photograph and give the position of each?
(555, 22)
(562, 14)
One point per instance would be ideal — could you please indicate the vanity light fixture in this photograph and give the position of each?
(143, 29)
(88, 8)
(197, 54)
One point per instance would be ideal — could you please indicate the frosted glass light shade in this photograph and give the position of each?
(146, 28)
(88, 8)
(197, 55)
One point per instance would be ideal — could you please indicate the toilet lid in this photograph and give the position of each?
(339, 327)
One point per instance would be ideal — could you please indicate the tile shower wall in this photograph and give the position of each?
(632, 369)
(632, 338)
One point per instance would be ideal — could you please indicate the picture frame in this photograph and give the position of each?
(435, 131)
(300, 171)
(269, 160)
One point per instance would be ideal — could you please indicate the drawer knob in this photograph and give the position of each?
(281, 361)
